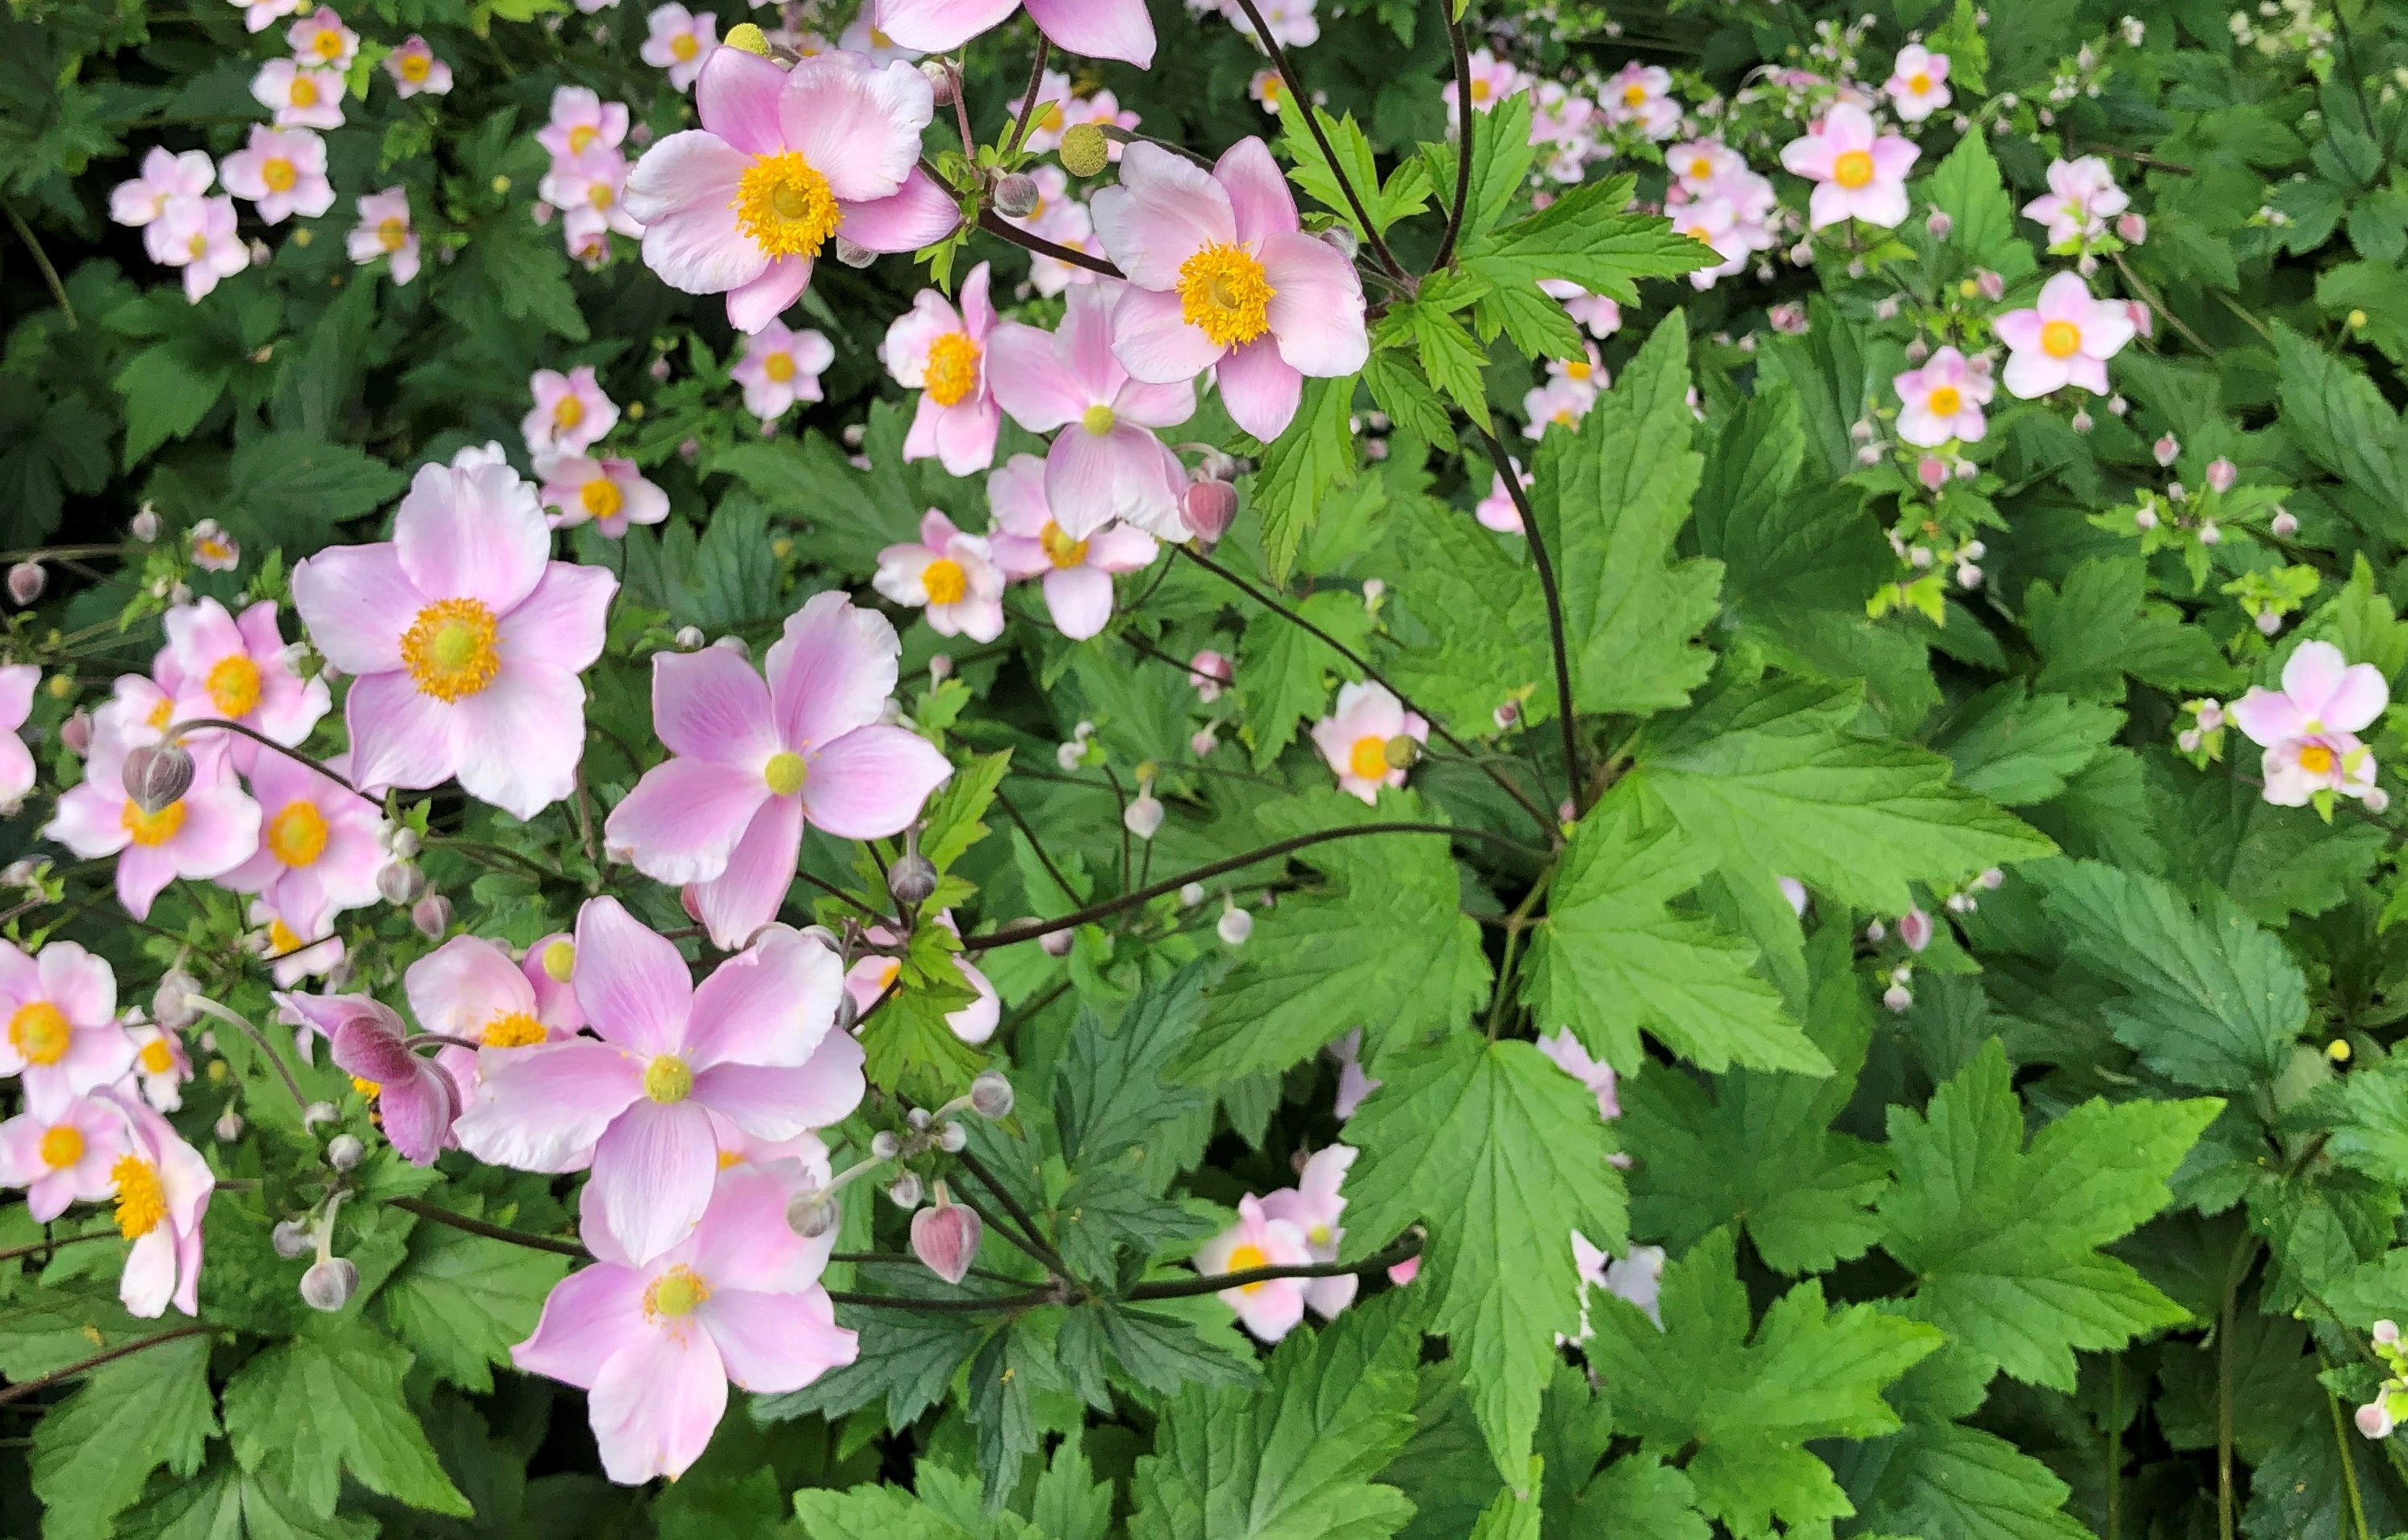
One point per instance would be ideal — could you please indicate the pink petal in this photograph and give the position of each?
(472, 534)
(631, 981)
(1316, 309)
(683, 192)
(777, 1342)
(710, 705)
(1016, 494)
(1080, 600)
(588, 1316)
(757, 302)
(418, 1114)
(143, 872)
(1030, 382)
(545, 1108)
(744, 1242)
(562, 622)
(399, 738)
(736, 96)
(1155, 406)
(769, 1005)
(2269, 717)
(655, 1404)
(517, 741)
(1260, 389)
(748, 892)
(2032, 373)
(965, 433)
(460, 987)
(652, 1172)
(832, 670)
(933, 26)
(780, 1104)
(921, 213)
(83, 986)
(1893, 157)
(857, 124)
(1154, 342)
(1099, 29)
(683, 820)
(220, 831)
(1810, 157)
(1162, 212)
(356, 603)
(1121, 549)
(872, 782)
(1090, 480)
(1258, 194)
(2359, 699)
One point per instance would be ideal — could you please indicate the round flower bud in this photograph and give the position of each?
(991, 1095)
(2284, 524)
(145, 524)
(1056, 943)
(344, 1151)
(1914, 929)
(1015, 195)
(1191, 894)
(854, 254)
(733, 643)
(689, 638)
(26, 580)
(2338, 1050)
(292, 1240)
(228, 1128)
(399, 882)
(918, 1117)
(1208, 507)
(2387, 1333)
(811, 1214)
(2166, 449)
(329, 1285)
(432, 916)
(1143, 817)
(1897, 997)
(2376, 799)
(911, 879)
(1993, 878)
(2269, 622)
(75, 732)
(2145, 518)
(2083, 420)
(2221, 475)
(1235, 926)
(2209, 534)
(170, 1002)
(905, 1191)
(2374, 1420)
(1402, 752)
(847, 1013)
(940, 77)
(1084, 151)
(749, 38)
(2187, 740)
(1992, 286)
(156, 777)
(2132, 229)
(945, 1237)
(885, 1146)
(1342, 240)
(1875, 932)
(951, 1139)
(403, 842)
(319, 1112)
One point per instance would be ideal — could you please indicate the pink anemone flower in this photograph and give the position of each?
(468, 989)
(780, 367)
(299, 95)
(207, 833)
(1078, 572)
(654, 1341)
(291, 955)
(2066, 340)
(464, 642)
(1354, 1084)
(2309, 728)
(17, 773)
(571, 414)
(163, 1189)
(1942, 400)
(785, 162)
(582, 119)
(143, 200)
(1636, 1278)
(284, 172)
(609, 494)
(417, 1099)
(1858, 171)
(61, 1031)
(240, 669)
(384, 231)
(950, 574)
(754, 1042)
(1222, 273)
(751, 762)
(1917, 86)
(1106, 463)
(198, 236)
(868, 979)
(414, 69)
(320, 846)
(1497, 510)
(322, 38)
(61, 1150)
(1313, 1205)
(1271, 1308)
(162, 1063)
(1354, 738)
(1093, 29)
(941, 353)
(680, 43)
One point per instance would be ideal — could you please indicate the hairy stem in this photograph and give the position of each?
(178, 730)
(552, 1244)
(1555, 612)
(42, 260)
(996, 225)
(1406, 1248)
(27, 1386)
(1029, 97)
(1464, 117)
(1036, 1246)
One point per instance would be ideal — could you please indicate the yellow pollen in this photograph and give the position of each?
(234, 686)
(1097, 419)
(600, 498)
(141, 1197)
(879, 40)
(1945, 402)
(366, 1088)
(216, 547)
(162, 714)
(283, 938)
(157, 1058)
(675, 1294)
(1576, 368)
(150, 829)
(513, 1029)
(198, 246)
(1245, 1259)
(667, 1079)
(1852, 169)
(779, 367)
(61, 1146)
(683, 48)
(1049, 118)
(2060, 339)
(952, 368)
(392, 234)
(729, 1159)
(329, 45)
(569, 411)
(560, 961)
(453, 650)
(1224, 290)
(1918, 84)
(1318, 1234)
(40, 1031)
(786, 772)
(1369, 758)
(582, 135)
(305, 92)
(296, 836)
(1701, 168)
(1480, 90)
(600, 195)
(786, 206)
(945, 581)
(2316, 759)
(416, 66)
(278, 175)
(1060, 549)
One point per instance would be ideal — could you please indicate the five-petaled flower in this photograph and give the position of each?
(2309, 728)
(1858, 171)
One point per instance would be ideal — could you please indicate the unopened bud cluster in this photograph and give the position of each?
(813, 1212)
(2378, 1418)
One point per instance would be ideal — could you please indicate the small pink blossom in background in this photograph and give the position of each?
(951, 574)
(414, 69)
(212, 549)
(2082, 197)
(239, 670)
(1858, 171)
(1271, 1308)
(941, 352)
(1555, 405)
(1942, 400)
(260, 15)
(679, 42)
(753, 1042)
(1565, 125)
(1105, 463)
(161, 1062)
(206, 834)
(861, 35)
(1354, 739)
(2309, 727)
(1292, 22)
(137, 712)
(753, 761)
(1064, 220)
(321, 41)
(301, 96)
(2067, 339)
(781, 367)
(1353, 1084)
(1918, 84)
(1268, 90)
(786, 161)
(163, 1189)
(291, 955)
(571, 414)
(464, 642)
(1702, 165)
(581, 122)
(384, 231)
(143, 201)
(1641, 97)
(588, 189)
(1271, 303)
(469, 989)
(320, 846)
(198, 235)
(61, 1150)
(417, 1099)
(1584, 372)
(1497, 510)
(1636, 1278)
(58, 1021)
(1571, 1055)
(1058, 107)
(1026, 542)
(654, 1342)
(610, 495)
(1211, 674)
(1601, 316)
(1313, 1205)
(1493, 79)
(1092, 29)
(17, 773)
(868, 978)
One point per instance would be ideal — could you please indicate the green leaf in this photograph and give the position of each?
(291, 489)
(1107, 1209)
(1750, 1406)
(1947, 1482)
(93, 1451)
(1502, 1156)
(852, 516)
(1398, 388)
(908, 1357)
(734, 580)
(952, 822)
(329, 1402)
(1283, 670)
(223, 1503)
(1294, 1459)
(2271, 862)
(1612, 958)
(1068, 1503)
(2209, 1000)
(1484, 616)
(1160, 1352)
(1968, 188)
(2361, 622)
(2340, 420)
(1587, 236)
(167, 394)
(1449, 356)
(872, 1513)
(1773, 780)
(1110, 1094)
(1639, 1497)
(1500, 164)
(2002, 1239)
(2017, 748)
(461, 1302)
(1512, 1514)
(1402, 197)
(1298, 469)
(1610, 500)
(2371, 1134)
(2102, 626)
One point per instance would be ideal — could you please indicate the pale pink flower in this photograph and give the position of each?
(62, 1150)
(414, 69)
(463, 641)
(862, 35)
(1493, 79)
(1093, 29)
(321, 41)
(868, 979)
(320, 846)
(1860, 172)
(1270, 303)
(198, 235)
(609, 494)
(1702, 165)
(1292, 24)
(137, 712)
(1642, 95)
(753, 1042)
(291, 955)
(384, 231)
(1106, 463)
(1918, 84)
(1601, 316)
(212, 549)
(2082, 197)
(1058, 107)
(781, 367)
(785, 162)
(1569, 1054)
(162, 1063)
(571, 414)
(163, 1189)
(1313, 1205)
(17, 772)
(1353, 1084)
(417, 1099)
(654, 1341)
(260, 15)
(1268, 89)
(1942, 400)
(1712, 221)
(1354, 739)
(752, 762)
(1637, 1277)
(61, 1029)
(1557, 404)
(588, 189)
(1584, 372)
(1211, 674)
(941, 352)
(679, 42)
(2309, 727)
(300, 96)
(581, 122)
(2066, 340)
(238, 670)
(1269, 1309)
(951, 574)
(1497, 510)
(469, 989)
(1078, 571)
(206, 834)
(143, 201)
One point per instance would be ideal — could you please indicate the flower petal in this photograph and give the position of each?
(685, 818)
(750, 890)
(1153, 340)
(1098, 29)
(779, 1103)
(872, 782)
(516, 742)
(356, 601)
(655, 1404)
(1316, 309)
(588, 1316)
(630, 979)
(769, 1004)
(652, 1174)
(1162, 212)
(683, 191)
(777, 1342)
(933, 26)
(736, 96)
(1260, 389)
(832, 670)
(1030, 380)
(399, 738)
(545, 1108)
(858, 124)
(921, 213)
(1258, 194)
(711, 706)
(563, 621)
(476, 535)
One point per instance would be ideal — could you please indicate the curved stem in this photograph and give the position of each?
(13, 1253)
(995, 224)
(1012, 812)
(1406, 1248)
(1555, 612)
(176, 730)
(1029, 97)
(425, 1210)
(42, 260)
(990, 1302)
(27, 1386)
(1464, 117)
(208, 1006)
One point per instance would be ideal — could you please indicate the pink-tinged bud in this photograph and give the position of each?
(1506, 715)
(1201, 743)
(329, 1285)
(542, 212)
(1968, 575)
(854, 254)
(1886, 309)
(1960, 904)
(75, 732)
(1210, 673)
(2375, 800)
(2269, 622)
(1914, 929)
(1870, 455)
(1992, 878)
(1787, 320)
(2166, 449)
(1795, 891)
(2187, 740)
(145, 524)
(1992, 286)
(1917, 350)
(2221, 475)
(1056, 943)
(1861, 429)
(1342, 240)
(1405, 1272)
(689, 448)
(2145, 517)
(2118, 406)
(2209, 534)
(945, 1237)
(1143, 817)
(26, 580)
(2285, 523)
(2083, 420)
(2144, 321)
(2374, 1420)
(1016, 195)
(659, 368)
(1932, 471)
(2388, 1333)
(1940, 224)
(904, 1190)
(431, 916)
(2177, 492)
(2086, 264)
(154, 778)
(1897, 997)
(1209, 508)
(2131, 229)
(939, 76)
(228, 1128)
(1234, 926)
(1875, 932)
(2211, 715)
